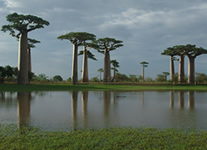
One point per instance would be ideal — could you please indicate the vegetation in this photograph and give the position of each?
(125, 87)
(23, 24)
(109, 138)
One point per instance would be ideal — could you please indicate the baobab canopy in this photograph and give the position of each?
(22, 22)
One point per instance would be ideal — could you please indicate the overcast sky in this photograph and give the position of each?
(146, 27)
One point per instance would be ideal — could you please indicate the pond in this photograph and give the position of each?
(101, 109)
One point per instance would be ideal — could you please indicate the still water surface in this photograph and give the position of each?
(99, 109)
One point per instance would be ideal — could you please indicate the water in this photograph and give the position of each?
(100, 109)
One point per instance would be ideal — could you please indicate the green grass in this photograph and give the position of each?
(68, 87)
(109, 139)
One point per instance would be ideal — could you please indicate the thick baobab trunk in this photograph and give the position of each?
(191, 69)
(75, 65)
(29, 60)
(85, 65)
(23, 59)
(181, 69)
(107, 69)
(172, 70)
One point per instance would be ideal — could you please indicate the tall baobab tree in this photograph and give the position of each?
(23, 24)
(192, 52)
(170, 51)
(86, 37)
(181, 54)
(104, 46)
(77, 39)
(115, 65)
(144, 64)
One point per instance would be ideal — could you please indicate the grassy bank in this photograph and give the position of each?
(67, 87)
(113, 138)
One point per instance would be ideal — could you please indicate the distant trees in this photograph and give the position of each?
(115, 65)
(57, 78)
(23, 24)
(100, 70)
(8, 73)
(31, 44)
(144, 64)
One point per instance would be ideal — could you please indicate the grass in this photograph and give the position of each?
(68, 87)
(109, 138)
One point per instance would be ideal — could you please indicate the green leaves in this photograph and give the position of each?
(189, 50)
(77, 37)
(107, 43)
(22, 23)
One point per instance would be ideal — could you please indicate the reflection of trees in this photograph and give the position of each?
(23, 108)
(7, 97)
(181, 99)
(107, 100)
(191, 99)
(74, 102)
(84, 107)
(171, 99)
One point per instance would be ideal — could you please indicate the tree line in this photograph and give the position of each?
(20, 25)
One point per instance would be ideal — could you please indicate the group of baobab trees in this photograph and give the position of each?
(23, 24)
(20, 25)
(191, 51)
(87, 40)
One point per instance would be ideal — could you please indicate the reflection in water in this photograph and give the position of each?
(74, 102)
(191, 99)
(107, 100)
(172, 99)
(23, 108)
(84, 107)
(181, 99)
(105, 109)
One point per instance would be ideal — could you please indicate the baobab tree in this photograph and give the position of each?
(77, 39)
(170, 51)
(100, 70)
(166, 74)
(23, 24)
(144, 64)
(104, 46)
(115, 65)
(86, 37)
(181, 53)
(31, 43)
(192, 52)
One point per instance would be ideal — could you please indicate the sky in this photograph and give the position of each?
(146, 27)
